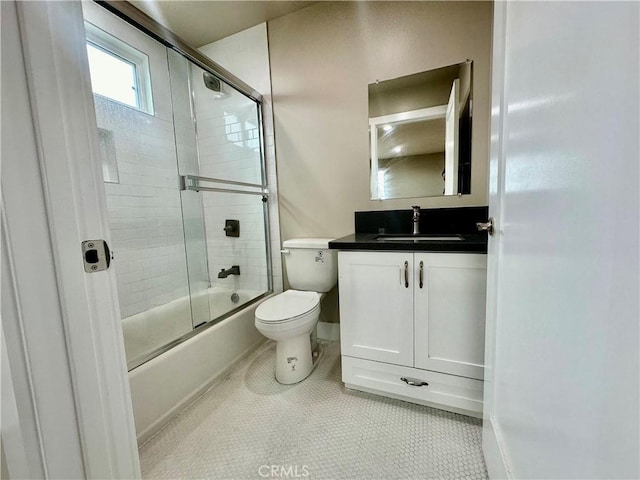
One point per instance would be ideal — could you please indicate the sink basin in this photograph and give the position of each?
(419, 238)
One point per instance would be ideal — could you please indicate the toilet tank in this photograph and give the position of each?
(310, 264)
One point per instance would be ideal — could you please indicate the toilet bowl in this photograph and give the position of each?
(290, 317)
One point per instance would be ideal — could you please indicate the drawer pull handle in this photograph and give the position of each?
(414, 383)
(406, 274)
(421, 274)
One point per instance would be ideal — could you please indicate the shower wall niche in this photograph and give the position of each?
(177, 165)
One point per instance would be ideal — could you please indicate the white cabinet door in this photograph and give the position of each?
(376, 306)
(450, 313)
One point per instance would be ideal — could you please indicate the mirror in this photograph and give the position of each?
(420, 134)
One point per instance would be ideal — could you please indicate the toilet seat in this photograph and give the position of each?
(288, 306)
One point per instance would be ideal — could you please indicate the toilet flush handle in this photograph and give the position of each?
(285, 251)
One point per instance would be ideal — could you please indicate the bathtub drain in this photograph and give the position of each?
(235, 298)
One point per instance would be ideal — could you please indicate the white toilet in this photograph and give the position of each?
(289, 317)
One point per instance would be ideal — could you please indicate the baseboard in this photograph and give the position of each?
(493, 450)
(329, 331)
(190, 398)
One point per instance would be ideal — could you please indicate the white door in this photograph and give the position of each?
(376, 306)
(562, 376)
(450, 313)
(452, 126)
(65, 383)
(495, 457)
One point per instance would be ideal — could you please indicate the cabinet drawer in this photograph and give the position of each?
(449, 392)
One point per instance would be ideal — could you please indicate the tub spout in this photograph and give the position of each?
(235, 270)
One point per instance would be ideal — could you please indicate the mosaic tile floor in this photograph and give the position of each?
(248, 426)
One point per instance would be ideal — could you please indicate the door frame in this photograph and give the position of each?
(64, 126)
(495, 454)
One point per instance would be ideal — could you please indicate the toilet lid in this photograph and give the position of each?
(287, 305)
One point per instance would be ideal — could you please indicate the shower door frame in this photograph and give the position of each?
(166, 37)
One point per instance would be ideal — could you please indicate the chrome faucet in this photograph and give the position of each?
(416, 219)
(235, 270)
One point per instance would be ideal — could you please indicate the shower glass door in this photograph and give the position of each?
(181, 156)
(218, 134)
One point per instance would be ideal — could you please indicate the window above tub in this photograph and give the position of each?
(119, 71)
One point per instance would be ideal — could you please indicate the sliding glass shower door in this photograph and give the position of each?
(184, 182)
(218, 134)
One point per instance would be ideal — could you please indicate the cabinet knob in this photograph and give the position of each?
(413, 382)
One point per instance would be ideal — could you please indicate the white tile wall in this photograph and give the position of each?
(144, 209)
(229, 148)
(228, 136)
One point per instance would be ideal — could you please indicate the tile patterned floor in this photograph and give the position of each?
(248, 426)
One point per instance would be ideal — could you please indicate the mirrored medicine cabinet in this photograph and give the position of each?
(420, 133)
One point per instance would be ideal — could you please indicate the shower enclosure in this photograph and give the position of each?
(185, 184)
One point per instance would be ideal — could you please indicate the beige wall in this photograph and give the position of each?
(322, 59)
(411, 92)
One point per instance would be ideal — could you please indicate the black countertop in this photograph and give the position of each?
(436, 222)
(470, 243)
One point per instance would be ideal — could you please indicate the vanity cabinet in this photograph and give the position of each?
(378, 306)
(412, 326)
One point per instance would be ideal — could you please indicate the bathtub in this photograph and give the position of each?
(221, 300)
(152, 329)
(156, 394)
